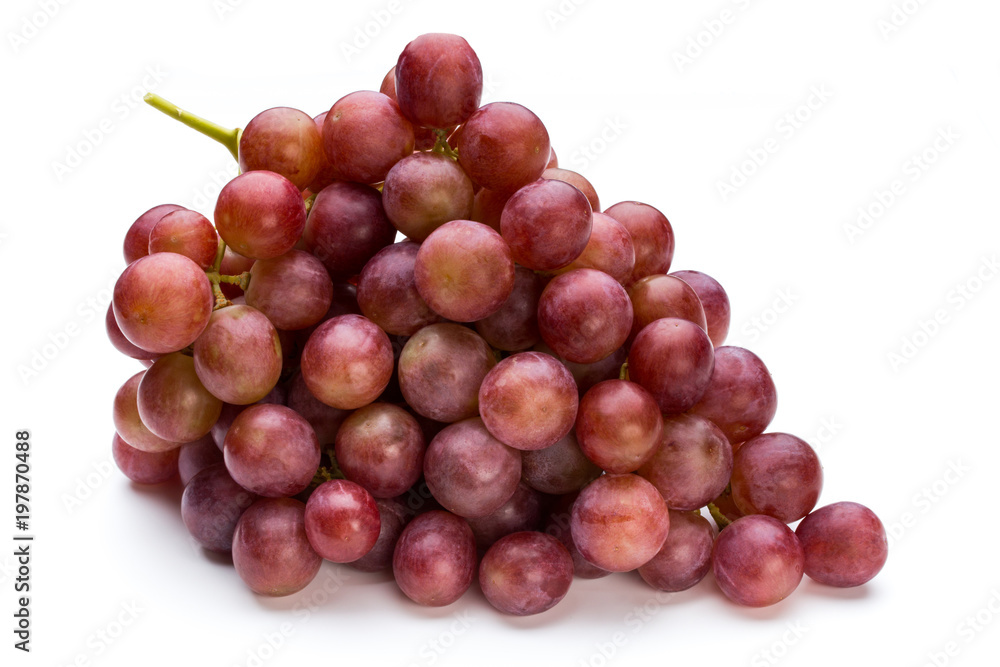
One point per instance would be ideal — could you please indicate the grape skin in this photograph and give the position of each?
(129, 425)
(424, 191)
(560, 468)
(136, 243)
(285, 141)
(387, 291)
(293, 290)
(514, 327)
(347, 225)
(393, 517)
(652, 234)
(438, 80)
(503, 146)
(364, 135)
(186, 233)
(619, 425)
(547, 224)
(658, 296)
(609, 249)
(196, 456)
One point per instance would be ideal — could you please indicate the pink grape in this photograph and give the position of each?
(469, 471)
(120, 342)
(137, 238)
(293, 290)
(347, 362)
(260, 214)
(584, 315)
(381, 447)
(691, 463)
(347, 226)
(387, 291)
(526, 573)
(740, 397)
(546, 224)
(271, 451)
(464, 271)
(439, 80)
(144, 467)
(609, 249)
(441, 369)
(186, 233)
(714, 300)
(757, 561)
(844, 544)
(434, 562)
(271, 552)
(129, 425)
(238, 356)
(528, 401)
(172, 401)
(658, 296)
(342, 521)
(673, 360)
(424, 191)
(686, 556)
(503, 146)
(619, 425)
(652, 235)
(285, 141)
(776, 474)
(619, 522)
(364, 135)
(162, 302)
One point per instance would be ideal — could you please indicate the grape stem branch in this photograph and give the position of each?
(230, 138)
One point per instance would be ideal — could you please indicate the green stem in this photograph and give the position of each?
(230, 138)
(623, 373)
(241, 280)
(220, 299)
(442, 146)
(720, 519)
(220, 253)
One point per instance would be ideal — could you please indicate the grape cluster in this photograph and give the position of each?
(518, 390)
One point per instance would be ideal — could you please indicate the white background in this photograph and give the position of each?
(823, 308)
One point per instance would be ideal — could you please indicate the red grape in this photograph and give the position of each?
(424, 191)
(162, 302)
(271, 451)
(293, 290)
(129, 425)
(526, 573)
(740, 397)
(271, 552)
(651, 233)
(434, 562)
(714, 300)
(439, 80)
(560, 468)
(137, 238)
(342, 521)
(464, 271)
(546, 224)
(260, 214)
(577, 181)
(778, 475)
(238, 356)
(844, 544)
(673, 360)
(186, 233)
(528, 401)
(381, 447)
(584, 315)
(514, 327)
(609, 249)
(619, 425)
(144, 467)
(364, 135)
(658, 296)
(757, 561)
(503, 146)
(172, 401)
(347, 226)
(686, 556)
(387, 291)
(285, 141)
(211, 506)
(347, 362)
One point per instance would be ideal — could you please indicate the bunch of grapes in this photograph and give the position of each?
(518, 389)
